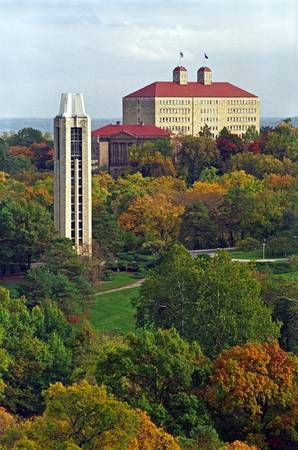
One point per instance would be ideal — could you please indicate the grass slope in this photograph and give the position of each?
(113, 311)
(118, 279)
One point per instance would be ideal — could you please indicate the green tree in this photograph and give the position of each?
(62, 278)
(106, 231)
(39, 344)
(212, 300)
(26, 137)
(155, 371)
(281, 295)
(26, 229)
(193, 155)
(197, 229)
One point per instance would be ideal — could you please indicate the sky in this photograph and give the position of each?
(107, 49)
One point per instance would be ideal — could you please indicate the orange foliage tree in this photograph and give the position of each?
(151, 437)
(154, 217)
(253, 390)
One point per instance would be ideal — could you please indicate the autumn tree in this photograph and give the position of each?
(153, 218)
(262, 165)
(212, 300)
(252, 391)
(84, 416)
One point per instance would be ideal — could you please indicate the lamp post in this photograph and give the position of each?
(264, 245)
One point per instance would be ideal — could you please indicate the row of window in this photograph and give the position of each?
(209, 119)
(209, 101)
(174, 111)
(241, 119)
(242, 102)
(175, 102)
(211, 128)
(180, 128)
(175, 119)
(238, 127)
(242, 110)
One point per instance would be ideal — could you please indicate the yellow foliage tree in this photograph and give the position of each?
(154, 217)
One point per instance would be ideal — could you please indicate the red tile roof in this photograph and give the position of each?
(138, 131)
(191, 89)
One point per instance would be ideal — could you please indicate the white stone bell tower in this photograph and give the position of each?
(72, 169)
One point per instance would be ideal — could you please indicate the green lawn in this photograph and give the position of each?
(293, 276)
(12, 287)
(113, 311)
(118, 279)
(251, 254)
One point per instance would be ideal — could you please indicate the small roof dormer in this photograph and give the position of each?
(180, 75)
(204, 75)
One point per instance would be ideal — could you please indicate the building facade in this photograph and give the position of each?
(184, 107)
(110, 145)
(72, 173)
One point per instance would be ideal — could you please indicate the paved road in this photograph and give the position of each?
(122, 288)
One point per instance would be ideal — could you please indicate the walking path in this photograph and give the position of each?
(122, 288)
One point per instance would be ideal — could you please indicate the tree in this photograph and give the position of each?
(149, 161)
(26, 229)
(281, 295)
(84, 416)
(197, 230)
(251, 390)
(62, 278)
(193, 155)
(262, 165)
(38, 344)
(250, 134)
(155, 372)
(154, 218)
(43, 155)
(212, 300)
(282, 142)
(106, 231)
(26, 137)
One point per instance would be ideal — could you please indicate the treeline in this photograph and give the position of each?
(212, 363)
(209, 368)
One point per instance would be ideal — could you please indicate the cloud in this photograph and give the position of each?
(107, 49)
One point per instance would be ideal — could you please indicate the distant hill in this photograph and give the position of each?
(272, 121)
(46, 125)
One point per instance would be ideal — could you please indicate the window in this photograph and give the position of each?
(76, 143)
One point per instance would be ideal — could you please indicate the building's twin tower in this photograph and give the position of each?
(72, 166)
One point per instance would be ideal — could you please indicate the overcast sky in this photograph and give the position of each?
(106, 49)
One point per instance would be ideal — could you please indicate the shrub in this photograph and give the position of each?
(248, 244)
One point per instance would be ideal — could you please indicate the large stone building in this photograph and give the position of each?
(184, 107)
(110, 144)
(72, 168)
